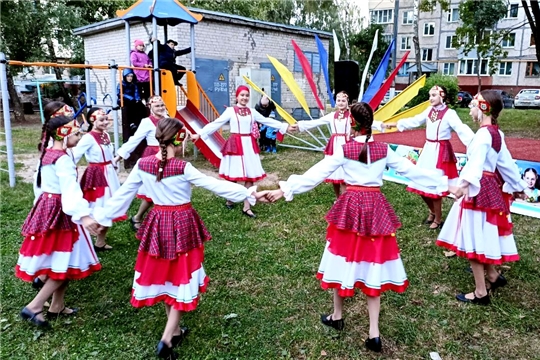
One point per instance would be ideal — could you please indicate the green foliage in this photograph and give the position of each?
(361, 46)
(429, 5)
(278, 11)
(449, 82)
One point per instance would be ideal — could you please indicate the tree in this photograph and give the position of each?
(532, 11)
(361, 44)
(278, 11)
(477, 33)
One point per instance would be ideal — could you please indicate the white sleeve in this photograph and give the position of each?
(377, 125)
(297, 184)
(82, 147)
(145, 127)
(473, 169)
(37, 190)
(509, 171)
(281, 126)
(413, 122)
(226, 189)
(215, 125)
(73, 203)
(118, 204)
(424, 177)
(463, 131)
(310, 124)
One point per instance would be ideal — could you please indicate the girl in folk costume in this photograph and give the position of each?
(99, 180)
(340, 123)
(437, 153)
(55, 244)
(169, 264)
(478, 226)
(241, 160)
(145, 131)
(361, 249)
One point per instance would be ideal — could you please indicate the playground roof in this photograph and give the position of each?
(106, 25)
(166, 12)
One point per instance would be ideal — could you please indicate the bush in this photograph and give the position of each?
(449, 82)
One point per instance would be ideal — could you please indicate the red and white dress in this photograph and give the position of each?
(241, 160)
(479, 226)
(145, 131)
(169, 264)
(361, 249)
(437, 153)
(55, 244)
(340, 125)
(99, 180)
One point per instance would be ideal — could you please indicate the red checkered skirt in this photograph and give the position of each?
(447, 159)
(47, 228)
(150, 151)
(233, 145)
(170, 231)
(94, 182)
(362, 226)
(493, 202)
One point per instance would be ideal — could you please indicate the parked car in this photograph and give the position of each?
(464, 98)
(508, 101)
(527, 98)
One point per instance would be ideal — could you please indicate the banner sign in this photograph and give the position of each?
(529, 171)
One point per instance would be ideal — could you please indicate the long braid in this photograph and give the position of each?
(42, 142)
(363, 153)
(46, 138)
(363, 117)
(163, 161)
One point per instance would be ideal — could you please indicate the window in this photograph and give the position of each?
(408, 17)
(533, 69)
(314, 60)
(470, 67)
(403, 70)
(532, 41)
(450, 41)
(510, 42)
(406, 43)
(512, 11)
(453, 15)
(388, 38)
(429, 29)
(449, 69)
(427, 54)
(382, 16)
(505, 68)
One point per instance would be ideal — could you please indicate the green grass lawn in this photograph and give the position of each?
(263, 270)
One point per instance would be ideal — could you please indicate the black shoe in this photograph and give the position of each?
(53, 315)
(500, 282)
(30, 316)
(38, 283)
(374, 344)
(165, 352)
(336, 324)
(177, 339)
(229, 206)
(428, 221)
(247, 213)
(437, 225)
(485, 300)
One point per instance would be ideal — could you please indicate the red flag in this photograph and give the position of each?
(379, 96)
(304, 62)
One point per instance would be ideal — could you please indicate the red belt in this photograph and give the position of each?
(363, 188)
(49, 195)
(99, 163)
(489, 174)
(173, 207)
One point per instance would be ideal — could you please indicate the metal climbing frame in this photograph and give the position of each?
(7, 121)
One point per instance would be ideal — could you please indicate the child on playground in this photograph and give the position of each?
(478, 227)
(55, 244)
(361, 249)
(99, 181)
(140, 59)
(169, 266)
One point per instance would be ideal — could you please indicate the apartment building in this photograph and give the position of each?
(519, 69)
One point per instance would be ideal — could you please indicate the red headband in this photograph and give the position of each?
(240, 89)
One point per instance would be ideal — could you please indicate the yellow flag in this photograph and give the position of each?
(288, 78)
(284, 114)
(405, 114)
(399, 101)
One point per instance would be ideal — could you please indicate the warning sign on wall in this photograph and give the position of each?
(221, 77)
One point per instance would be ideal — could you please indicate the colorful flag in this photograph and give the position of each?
(337, 49)
(284, 114)
(306, 66)
(364, 74)
(380, 74)
(323, 56)
(288, 78)
(399, 101)
(405, 114)
(379, 96)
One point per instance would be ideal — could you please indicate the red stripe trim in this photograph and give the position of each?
(172, 207)
(144, 197)
(481, 258)
(363, 287)
(425, 194)
(333, 181)
(70, 274)
(223, 176)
